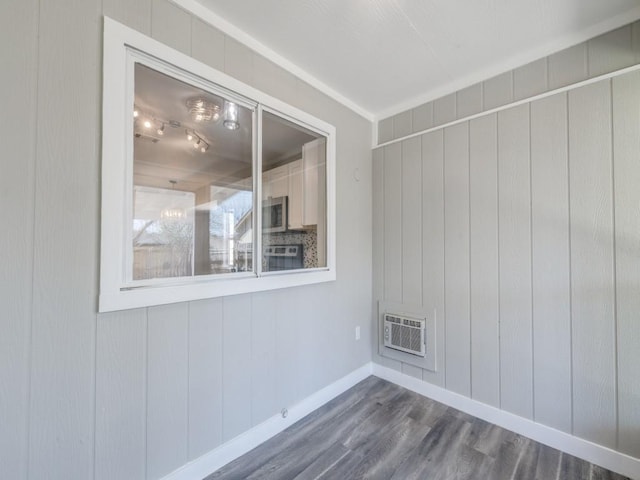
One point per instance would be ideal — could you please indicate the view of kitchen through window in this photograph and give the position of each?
(193, 184)
(293, 195)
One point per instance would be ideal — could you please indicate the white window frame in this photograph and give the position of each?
(118, 293)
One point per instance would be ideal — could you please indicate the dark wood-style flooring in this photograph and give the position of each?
(378, 430)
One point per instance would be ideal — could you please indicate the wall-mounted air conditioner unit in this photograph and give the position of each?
(405, 334)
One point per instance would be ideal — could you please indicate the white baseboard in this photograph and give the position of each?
(212, 461)
(597, 454)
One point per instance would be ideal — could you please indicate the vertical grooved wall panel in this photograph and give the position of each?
(611, 51)
(167, 389)
(626, 151)
(264, 313)
(444, 109)
(530, 79)
(205, 376)
(121, 395)
(469, 101)
(433, 243)
(207, 44)
(171, 25)
(551, 268)
(514, 219)
(402, 124)
(134, 14)
(456, 217)
(422, 117)
(287, 332)
(236, 366)
(412, 222)
(592, 289)
(497, 91)
(18, 55)
(483, 194)
(393, 223)
(62, 400)
(378, 244)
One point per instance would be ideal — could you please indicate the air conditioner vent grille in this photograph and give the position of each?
(405, 334)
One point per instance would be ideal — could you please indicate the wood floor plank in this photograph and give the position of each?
(572, 467)
(324, 462)
(380, 431)
(548, 463)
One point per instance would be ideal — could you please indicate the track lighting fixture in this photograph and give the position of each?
(199, 143)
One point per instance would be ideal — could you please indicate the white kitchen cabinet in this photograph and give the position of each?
(303, 181)
(275, 182)
(314, 181)
(296, 188)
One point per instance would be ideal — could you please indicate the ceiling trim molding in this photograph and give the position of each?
(507, 106)
(549, 48)
(199, 10)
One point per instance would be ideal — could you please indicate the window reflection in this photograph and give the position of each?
(192, 175)
(293, 196)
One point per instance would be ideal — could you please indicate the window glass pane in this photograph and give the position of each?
(192, 180)
(293, 196)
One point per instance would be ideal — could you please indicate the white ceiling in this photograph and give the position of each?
(383, 56)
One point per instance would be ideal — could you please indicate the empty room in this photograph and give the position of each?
(384, 239)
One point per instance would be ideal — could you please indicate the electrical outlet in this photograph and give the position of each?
(358, 332)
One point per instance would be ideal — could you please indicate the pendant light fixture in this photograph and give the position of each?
(230, 116)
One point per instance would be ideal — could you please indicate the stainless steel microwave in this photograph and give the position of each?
(275, 214)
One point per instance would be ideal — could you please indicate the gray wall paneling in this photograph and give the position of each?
(456, 255)
(378, 246)
(422, 117)
(378, 228)
(411, 214)
(17, 124)
(286, 353)
(205, 376)
(135, 14)
(568, 273)
(606, 53)
(402, 124)
(207, 44)
(273, 79)
(626, 125)
(238, 60)
(444, 109)
(385, 130)
(568, 66)
(171, 25)
(433, 243)
(551, 268)
(592, 263)
(121, 395)
(64, 300)
(469, 101)
(138, 393)
(484, 300)
(167, 388)
(530, 79)
(263, 357)
(412, 371)
(393, 223)
(611, 51)
(236, 366)
(498, 91)
(514, 219)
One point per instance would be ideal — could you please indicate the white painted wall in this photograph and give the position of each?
(137, 394)
(530, 254)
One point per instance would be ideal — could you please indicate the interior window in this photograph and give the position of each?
(293, 195)
(192, 180)
(209, 186)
